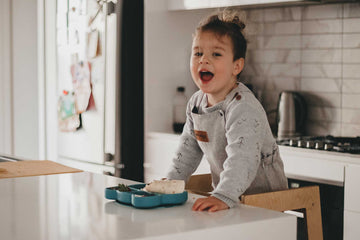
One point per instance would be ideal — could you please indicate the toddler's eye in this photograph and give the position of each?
(216, 54)
(198, 54)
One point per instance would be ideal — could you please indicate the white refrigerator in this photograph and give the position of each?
(99, 43)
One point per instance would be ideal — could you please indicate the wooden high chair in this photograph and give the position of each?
(307, 198)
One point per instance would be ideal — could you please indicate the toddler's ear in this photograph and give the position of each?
(238, 66)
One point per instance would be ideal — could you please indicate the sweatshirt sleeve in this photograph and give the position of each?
(188, 155)
(244, 132)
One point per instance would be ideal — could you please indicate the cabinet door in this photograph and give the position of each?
(351, 203)
(352, 190)
(351, 225)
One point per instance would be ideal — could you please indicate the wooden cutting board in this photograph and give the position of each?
(33, 168)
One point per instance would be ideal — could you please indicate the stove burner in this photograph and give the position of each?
(327, 143)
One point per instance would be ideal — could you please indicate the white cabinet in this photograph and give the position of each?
(159, 151)
(351, 225)
(352, 190)
(312, 165)
(352, 202)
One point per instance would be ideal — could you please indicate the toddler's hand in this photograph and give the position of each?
(211, 204)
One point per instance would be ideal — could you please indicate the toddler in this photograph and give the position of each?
(225, 122)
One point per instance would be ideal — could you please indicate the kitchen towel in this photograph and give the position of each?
(33, 168)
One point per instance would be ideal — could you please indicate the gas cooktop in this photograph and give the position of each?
(327, 143)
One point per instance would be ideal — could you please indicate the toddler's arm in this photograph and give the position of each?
(188, 154)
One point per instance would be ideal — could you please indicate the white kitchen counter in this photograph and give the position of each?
(73, 206)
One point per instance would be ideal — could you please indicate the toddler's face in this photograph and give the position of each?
(212, 66)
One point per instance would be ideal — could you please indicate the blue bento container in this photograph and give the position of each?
(142, 199)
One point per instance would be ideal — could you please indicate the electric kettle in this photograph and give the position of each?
(291, 115)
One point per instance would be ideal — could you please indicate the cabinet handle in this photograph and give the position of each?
(108, 173)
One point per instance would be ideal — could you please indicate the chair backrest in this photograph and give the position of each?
(200, 184)
(307, 198)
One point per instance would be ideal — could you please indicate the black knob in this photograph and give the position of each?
(319, 145)
(310, 144)
(292, 142)
(328, 146)
(301, 143)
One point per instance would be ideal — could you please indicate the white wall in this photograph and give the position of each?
(25, 82)
(5, 76)
(168, 38)
(21, 82)
(49, 141)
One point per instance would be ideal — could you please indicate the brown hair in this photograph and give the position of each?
(227, 23)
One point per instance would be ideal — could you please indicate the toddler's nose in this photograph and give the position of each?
(203, 60)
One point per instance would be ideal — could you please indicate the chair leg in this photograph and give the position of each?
(313, 218)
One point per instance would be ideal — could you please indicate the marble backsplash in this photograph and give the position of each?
(314, 50)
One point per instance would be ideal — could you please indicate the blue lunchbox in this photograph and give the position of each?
(142, 199)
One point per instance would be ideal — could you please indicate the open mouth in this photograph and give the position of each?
(206, 76)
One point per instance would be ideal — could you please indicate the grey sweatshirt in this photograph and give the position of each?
(245, 160)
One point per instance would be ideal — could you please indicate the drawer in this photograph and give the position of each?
(310, 167)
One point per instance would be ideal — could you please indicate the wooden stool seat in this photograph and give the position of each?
(307, 198)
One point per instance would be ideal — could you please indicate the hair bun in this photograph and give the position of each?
(233, 16)
(238, 22)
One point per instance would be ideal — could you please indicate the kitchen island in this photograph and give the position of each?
(335, 170)
(73, 206)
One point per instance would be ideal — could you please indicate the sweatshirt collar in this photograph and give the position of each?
(220, 105)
